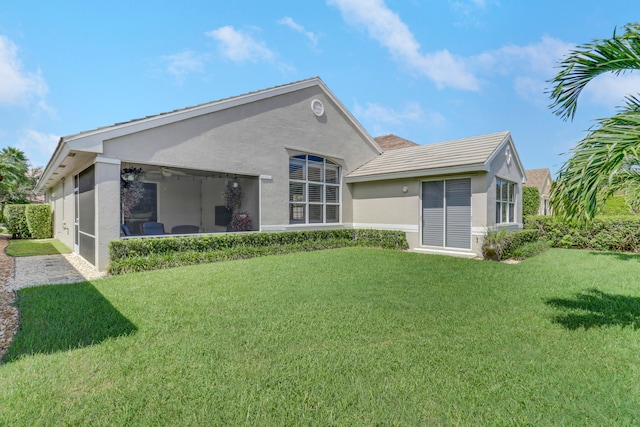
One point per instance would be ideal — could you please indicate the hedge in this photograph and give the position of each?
(141, 254)
(16, 221)
(514, 240)
(606, 233)
(530, 201)
(39, 221)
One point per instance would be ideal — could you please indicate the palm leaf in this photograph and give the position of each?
(617, 54)
(596, 163)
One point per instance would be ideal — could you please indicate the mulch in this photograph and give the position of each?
(9, 316)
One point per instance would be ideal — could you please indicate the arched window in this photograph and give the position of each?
(314, 190)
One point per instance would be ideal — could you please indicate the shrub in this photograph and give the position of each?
(16, 221)
(530, 249)
(517, 239)
(530, 201)
(39, 221)
(605, 233)
(140, 254)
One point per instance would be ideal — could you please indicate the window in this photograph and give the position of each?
(314, 190)
(505, 201)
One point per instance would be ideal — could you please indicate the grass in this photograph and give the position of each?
(352, 336)
(19, 248)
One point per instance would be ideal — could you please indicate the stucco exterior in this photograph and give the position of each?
(191, 154)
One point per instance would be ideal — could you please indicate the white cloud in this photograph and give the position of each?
(610, 90)
(239, 46)
(38, 146)
(179, 65)
(287, 21)
(16, 85)
(386, 27)
(381, 119)
(530, 66)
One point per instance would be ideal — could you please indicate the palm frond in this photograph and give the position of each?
(595, 164)
(617, 54)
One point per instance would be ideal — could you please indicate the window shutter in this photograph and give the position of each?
(433, 213)
(458, 226)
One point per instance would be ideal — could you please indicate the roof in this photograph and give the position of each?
(91, 142)
(393, 142)
(538, 178)
(460, 155)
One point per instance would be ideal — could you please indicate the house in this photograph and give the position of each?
(541, 179)
(295, 158)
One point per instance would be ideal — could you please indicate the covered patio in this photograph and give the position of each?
(158, 200)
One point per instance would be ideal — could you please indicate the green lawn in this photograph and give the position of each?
(351, 336)
(18, 248)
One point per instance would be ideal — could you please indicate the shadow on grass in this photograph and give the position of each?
(64, 317)
(593, 308)
(622, 256)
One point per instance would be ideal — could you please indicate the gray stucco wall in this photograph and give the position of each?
(510, 171)
(254, 139)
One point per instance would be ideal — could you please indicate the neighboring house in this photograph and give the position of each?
(303, 162)
(541, 179)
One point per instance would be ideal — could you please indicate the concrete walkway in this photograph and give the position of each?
(51, 269)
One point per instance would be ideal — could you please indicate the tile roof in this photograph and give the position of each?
(393, 142)
(537, 177)
(465, 154)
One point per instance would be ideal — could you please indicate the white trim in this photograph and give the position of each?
(294, 227)
(301, 151)
(445, 251)
(107, 160)
(476, 167)
(407, 228)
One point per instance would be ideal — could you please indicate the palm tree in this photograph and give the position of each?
(14, 166)
(612, 147)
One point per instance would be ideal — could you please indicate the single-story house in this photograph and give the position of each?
(293, 157)
(541, 179)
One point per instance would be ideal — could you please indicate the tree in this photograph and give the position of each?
(15, 182)
(611, 148)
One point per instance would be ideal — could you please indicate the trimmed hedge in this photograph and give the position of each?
(39, 221)
(15, 220)
(608, 233)
(530, 201)
(141, 254)
(514, 240)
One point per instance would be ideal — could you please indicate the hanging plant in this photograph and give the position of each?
(233, 195)
(131, 190)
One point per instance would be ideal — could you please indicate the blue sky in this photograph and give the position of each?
(427, 71)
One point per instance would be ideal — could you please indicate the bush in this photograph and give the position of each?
(516, 240)
(140, 254)
(605, 233)
(39, 221)
(530, 249)
(530, 201)
(16, 221)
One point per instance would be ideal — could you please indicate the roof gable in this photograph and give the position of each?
(393, 142)
(456, 156)
(539, 178)
(92, 141)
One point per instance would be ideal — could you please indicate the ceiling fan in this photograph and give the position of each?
(167, 172)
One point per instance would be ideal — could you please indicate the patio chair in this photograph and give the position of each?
(152, 228)
(124, 230)
(185, 229)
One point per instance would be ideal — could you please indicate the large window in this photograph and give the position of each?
(314, 190)
(505, 201)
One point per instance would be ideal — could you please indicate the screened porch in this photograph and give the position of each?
(165, 200)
